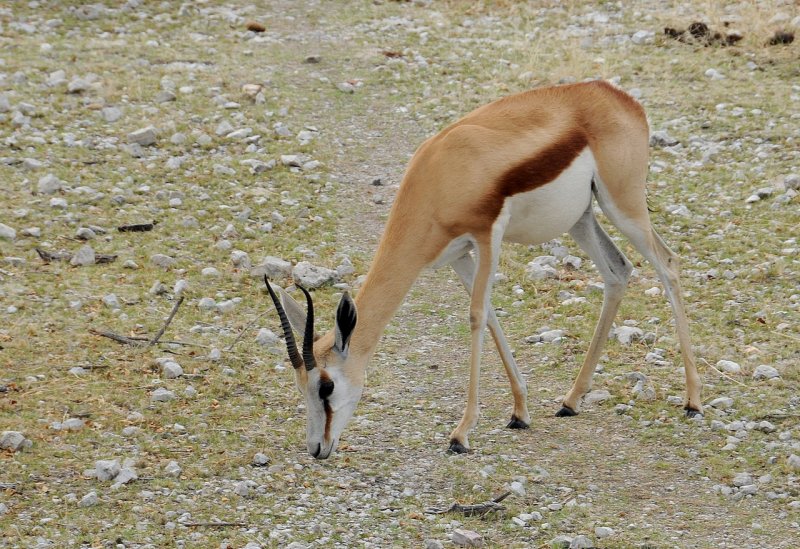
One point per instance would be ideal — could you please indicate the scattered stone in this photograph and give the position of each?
(78, 85)
(518, 488)
(240, 259)
(207, 303)
(144, 137)
(73, 424)
(162, 395)
(84, 256)
(433, 544)
(242, 489)
(765, 372)
(266, 337)
(346, 87)
(714, 74)
(111, 114)
(466, 538)
(721, 403)
(643, 37)
(14, 441)
(111, 301)
(596, 396)
(628, 334)
(171, 369)
(162, 260)
(793, 461)
(89, 500)
(742, 479)
(49, 184)
(85, 233)
(126, 475)
(107, 469)
(312, 276)
(561, 542)
(172, 469)
(7, 232)
(551, 336)
(581, 542)
(3, 509)
(661, 138)
(729, 366)
(260, 460)
(603, 532)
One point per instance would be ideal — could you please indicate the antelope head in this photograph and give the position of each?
(331, 386)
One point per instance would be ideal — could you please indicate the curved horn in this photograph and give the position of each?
(308, 339)
(291, 344)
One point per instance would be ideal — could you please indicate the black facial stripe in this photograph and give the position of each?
(325, 388)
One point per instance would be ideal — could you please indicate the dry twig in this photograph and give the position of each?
(169, 319)
(213, 524)
(478, 509)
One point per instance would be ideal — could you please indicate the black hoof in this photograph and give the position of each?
(516, 423)
(566, 411)
(457, 448)
(691, 412)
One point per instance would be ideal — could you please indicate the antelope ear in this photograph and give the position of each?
(346, 318)
(295, 314)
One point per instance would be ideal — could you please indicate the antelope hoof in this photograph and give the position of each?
(457, 448)
(692, 412)
(516, 423)
(566, 411)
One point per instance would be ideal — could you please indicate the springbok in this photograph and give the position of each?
(521, 169)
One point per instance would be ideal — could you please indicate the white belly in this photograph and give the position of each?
(551, 210)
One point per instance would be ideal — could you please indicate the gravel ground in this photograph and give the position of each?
(161, 158)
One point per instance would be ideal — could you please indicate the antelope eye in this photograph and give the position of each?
(325, 389)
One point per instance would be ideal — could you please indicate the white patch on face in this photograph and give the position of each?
(342, 403)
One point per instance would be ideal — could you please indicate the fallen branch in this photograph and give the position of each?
(137, 227)
(478, 509)
(169, 319)
(213, 524)
(118, 338)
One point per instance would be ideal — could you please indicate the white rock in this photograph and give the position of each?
(111, 114)
(596, 396)
(242, 489)
(210, 272)
(73, 424)
(85, 233)
(266, 337)
(273, 268)
(89, 500)
(171, 370)
(643, 37)
(466, 538)
(13, 440)
(714, 74)
(346, 87)
(107, 469)
(291, 160)
(180, 287)
(535, 271)
(628, 334)
(240, 259)
(84, 256)
(603, 532)
(111, 301)
(7, 232)
(729, 366)
(77, 85)
(226, 306)
(49, 184)
(260, 460)
(552, 336)
(312, 276)
(765, 372)
(224, 128)
(207, 303)
(126, 475)
(742, 479)
(793, 461)
(143, 137)
(162, 260)
(560, 542)
(581, 542)
(162, 395)
(721, 403)
(172, 469)
(58, 203)
(518, 488)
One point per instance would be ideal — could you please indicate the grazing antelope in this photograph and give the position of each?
(521, 169)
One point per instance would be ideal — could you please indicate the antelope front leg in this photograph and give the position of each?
(487, 251)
